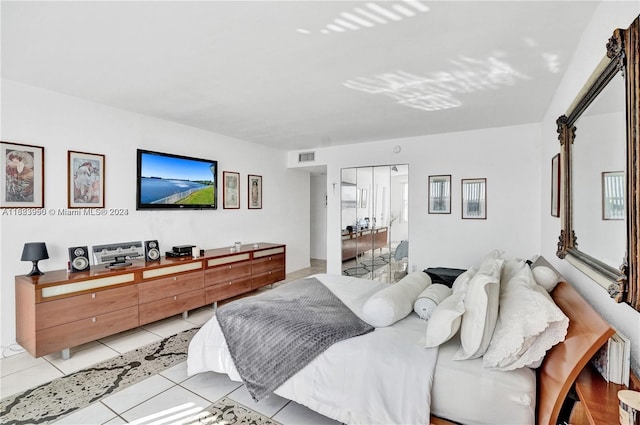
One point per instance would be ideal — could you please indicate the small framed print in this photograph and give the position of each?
(255, 192)
(555, 186)
(85, 180)
(440, 194)
(22, 176)
(231, 190)
(474, 198)
(613, 195)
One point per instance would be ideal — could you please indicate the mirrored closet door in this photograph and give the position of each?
(375, 222)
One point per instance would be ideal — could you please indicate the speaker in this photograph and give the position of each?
(151, 251)
(79, 258)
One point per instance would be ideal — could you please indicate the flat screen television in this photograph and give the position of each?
(168, 181)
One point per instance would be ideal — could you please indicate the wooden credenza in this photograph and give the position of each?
(59, 310)
(361, 241)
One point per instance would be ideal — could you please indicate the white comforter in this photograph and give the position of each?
(382, 377)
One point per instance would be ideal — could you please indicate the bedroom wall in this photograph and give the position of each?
(608, 16)
(60, 123)
(509, 159)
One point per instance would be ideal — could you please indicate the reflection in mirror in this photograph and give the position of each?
(374, 222)
(600, 146)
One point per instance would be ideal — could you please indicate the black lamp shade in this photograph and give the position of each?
(34, 252)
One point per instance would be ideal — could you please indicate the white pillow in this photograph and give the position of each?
(429, 299)
(462, 281)
(445, 320)
(394, 302)
(529, 323)
(546, 277)
(481, 310)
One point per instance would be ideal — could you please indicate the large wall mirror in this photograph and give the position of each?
(600, 139)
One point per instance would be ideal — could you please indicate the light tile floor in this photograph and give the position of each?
(169, 394)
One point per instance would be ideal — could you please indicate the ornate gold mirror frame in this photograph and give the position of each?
(623, 56)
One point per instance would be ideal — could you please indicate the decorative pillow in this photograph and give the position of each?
(394, 302)
(546, 277)
(429, 299)
(481, 310)
(445, 320)
(462, 282)
(529, 324)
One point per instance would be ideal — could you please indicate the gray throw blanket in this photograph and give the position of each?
(273, 335)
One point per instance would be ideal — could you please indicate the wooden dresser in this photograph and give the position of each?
(59, 309)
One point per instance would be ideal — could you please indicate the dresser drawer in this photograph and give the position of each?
(227, 272)
(166, 307)
(271, 262)
(228, 289)
(267, 278)
(168, 286)
(65, 310)
(82, 331)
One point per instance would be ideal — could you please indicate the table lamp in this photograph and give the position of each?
(34, 252)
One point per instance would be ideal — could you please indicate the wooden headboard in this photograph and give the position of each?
(586, 334)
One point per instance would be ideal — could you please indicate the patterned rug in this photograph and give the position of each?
(64, 395)
(366, 266)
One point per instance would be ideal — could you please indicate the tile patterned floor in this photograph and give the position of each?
(171, 389)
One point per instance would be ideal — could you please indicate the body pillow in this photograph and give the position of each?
(394, 302)
(429, 299)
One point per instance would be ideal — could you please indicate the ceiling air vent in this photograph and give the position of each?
(306, 156)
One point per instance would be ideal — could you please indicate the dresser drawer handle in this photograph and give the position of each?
(93, 296)
(229, 267)
(269, 272)
(269, 258)
(175, 278)
(229, 283)
(175, 297)
(94, 320)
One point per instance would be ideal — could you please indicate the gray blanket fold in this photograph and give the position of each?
(273, 335)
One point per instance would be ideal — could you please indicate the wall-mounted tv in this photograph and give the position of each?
(168, 181)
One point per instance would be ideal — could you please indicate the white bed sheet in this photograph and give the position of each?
(386, 376)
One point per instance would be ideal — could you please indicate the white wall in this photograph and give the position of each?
(61, 123)
(589, 53)
(508, 157)
(318, 228)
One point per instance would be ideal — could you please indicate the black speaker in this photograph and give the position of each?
(151, 251)
(79, 258)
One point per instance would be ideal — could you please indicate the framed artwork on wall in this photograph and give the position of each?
(613, 195)
(555, 186)
(474, 199)
(22, 176)
(255, 192)
(85, 180)
(231, 190)
(440, 194)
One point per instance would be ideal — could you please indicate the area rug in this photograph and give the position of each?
(366, 266)
(64, 395)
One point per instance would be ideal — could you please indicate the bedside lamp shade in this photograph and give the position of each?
(34, 252)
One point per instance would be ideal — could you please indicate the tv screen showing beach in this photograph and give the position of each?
(175, 181)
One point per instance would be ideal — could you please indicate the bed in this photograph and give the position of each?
(384, 376)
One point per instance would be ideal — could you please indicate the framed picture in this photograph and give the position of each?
(22, 177)
(255, 192)
(613, 195)
(440, 194)
(231, 190)
(85, 180)
(555, 186)
(474, 199)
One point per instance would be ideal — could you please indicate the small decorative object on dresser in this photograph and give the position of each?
(22, 176)
(85, 180)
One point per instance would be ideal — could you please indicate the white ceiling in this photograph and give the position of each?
(301, 74)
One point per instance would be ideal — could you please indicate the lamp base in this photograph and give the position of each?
(35, 271)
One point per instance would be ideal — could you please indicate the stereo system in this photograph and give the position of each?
(151, 251)
(78, 258)
(120, 254)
